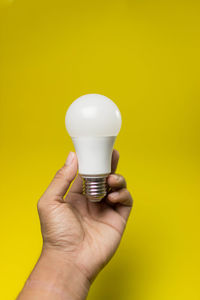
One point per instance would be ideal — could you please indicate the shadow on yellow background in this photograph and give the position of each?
(145, 56)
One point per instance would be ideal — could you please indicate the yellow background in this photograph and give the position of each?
(145, 55)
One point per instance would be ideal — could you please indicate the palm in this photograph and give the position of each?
(91, 231)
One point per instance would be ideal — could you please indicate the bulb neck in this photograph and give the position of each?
(94, 154)
(95, 187)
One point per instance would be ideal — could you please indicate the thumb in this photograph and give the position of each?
(63, 178)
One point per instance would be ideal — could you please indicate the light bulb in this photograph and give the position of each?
(93, 122)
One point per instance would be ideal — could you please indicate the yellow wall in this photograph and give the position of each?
(145, 56)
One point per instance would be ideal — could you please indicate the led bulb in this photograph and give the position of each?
(93, 122)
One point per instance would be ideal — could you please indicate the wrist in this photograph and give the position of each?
(60, 274)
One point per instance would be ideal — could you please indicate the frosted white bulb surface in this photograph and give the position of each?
(93, 115)
(93, 121)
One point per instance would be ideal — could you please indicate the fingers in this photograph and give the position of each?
(114, 162)
(122, 196)
(122, 202)
(63, 178)
(116, 181)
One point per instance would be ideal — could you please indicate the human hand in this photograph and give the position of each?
(84, 233)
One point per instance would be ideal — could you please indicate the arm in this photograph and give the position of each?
(54, 278)
(79, 237)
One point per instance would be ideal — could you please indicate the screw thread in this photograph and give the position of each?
(95, 187)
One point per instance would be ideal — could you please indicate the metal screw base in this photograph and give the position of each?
(95, 187)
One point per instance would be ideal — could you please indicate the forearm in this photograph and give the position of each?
(55, 279)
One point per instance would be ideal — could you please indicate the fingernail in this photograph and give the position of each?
(115, 177)
(114, 195)
(70, 158)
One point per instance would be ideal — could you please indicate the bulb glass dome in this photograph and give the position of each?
(93, 115)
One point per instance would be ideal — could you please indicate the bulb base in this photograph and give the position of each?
(95, 187)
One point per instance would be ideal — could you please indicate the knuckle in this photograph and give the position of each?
(130, 199)
(122, 180)
(60, 173)
(127, 195)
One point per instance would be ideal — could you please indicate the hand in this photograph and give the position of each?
(86, 234)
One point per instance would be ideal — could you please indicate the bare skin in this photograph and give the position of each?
(79, 237)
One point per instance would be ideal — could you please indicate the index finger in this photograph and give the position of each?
(114, 162)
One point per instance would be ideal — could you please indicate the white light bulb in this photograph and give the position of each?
(93, 122)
